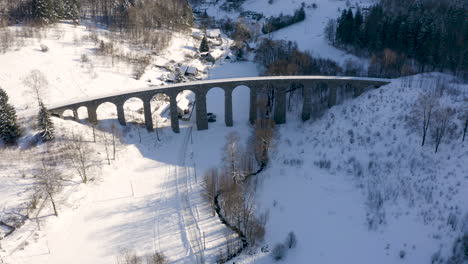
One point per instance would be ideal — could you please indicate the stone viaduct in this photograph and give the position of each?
(324, 90)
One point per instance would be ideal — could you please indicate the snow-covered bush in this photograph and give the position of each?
(291, 240)
(156, 258)
(84, 58)
(279, 252)
(44, 48)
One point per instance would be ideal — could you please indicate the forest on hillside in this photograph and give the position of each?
(406, 36)
(116, 14)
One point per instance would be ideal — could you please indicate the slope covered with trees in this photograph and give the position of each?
(432, 33)
(119, 14)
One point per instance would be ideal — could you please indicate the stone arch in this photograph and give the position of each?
(344, 91)
(82, 112)
(106, 111)
(320, 98)
(134, 110)
(67, 114)
(160, 108)
(216, 104)
(241, 103)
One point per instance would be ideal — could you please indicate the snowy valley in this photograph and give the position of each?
(351, 185)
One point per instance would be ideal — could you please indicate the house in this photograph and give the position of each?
(192, 71)
(214, 55)
(213, 33)
(188, 70)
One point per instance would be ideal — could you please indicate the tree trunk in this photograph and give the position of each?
(437, 146)
(53, 204)
(464, 130)
(94, 134)
(424, 137)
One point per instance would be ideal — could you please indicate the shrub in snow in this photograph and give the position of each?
(156, 258)
(44, 48)
(84, 58)
(402, 254)
(129, 257)
(279, 252)
(291, 240)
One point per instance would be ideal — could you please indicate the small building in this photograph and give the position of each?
(197, 34)
(188, 70)
(214, 56)
(213, 33)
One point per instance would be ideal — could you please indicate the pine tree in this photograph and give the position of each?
(72, 10)
(357, 28)
(45, 123)
(9, 130)
(58, 8)
(42, 11)
(204, 47)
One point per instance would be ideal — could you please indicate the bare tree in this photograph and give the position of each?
(129, 257)
(422, 111)
(465, 127)
(156, 258)
(37, 83)
(442, 121)
(291, 240)
(210, 184)
(80, 156)
(114, 132)
(49, 182)
(232, 157)
(106, 142)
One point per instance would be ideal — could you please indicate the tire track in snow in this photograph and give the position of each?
(190, 221)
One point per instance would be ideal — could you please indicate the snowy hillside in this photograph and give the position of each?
(354, 185)
(357, 185)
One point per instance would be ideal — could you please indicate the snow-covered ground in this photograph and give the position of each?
(325, 174)
(150, 198)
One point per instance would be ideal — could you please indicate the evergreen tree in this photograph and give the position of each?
(72, 8)
(204, 47)
(357, 28)
(345, 29)
(45, 123)
(42, 11)
(9, 130)
(58, 9)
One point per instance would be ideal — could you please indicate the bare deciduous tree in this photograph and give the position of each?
(49, 182)
(465, 127)
(37, 83)
(422, 111)
(156, 258)
(232, 157)
(442, 122)
(106, 142)
(80, 156)
(210, 184)
(129, 257)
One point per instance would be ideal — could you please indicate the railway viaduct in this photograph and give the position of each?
(323, 91)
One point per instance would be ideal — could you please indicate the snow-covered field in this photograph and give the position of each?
(150, 198)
